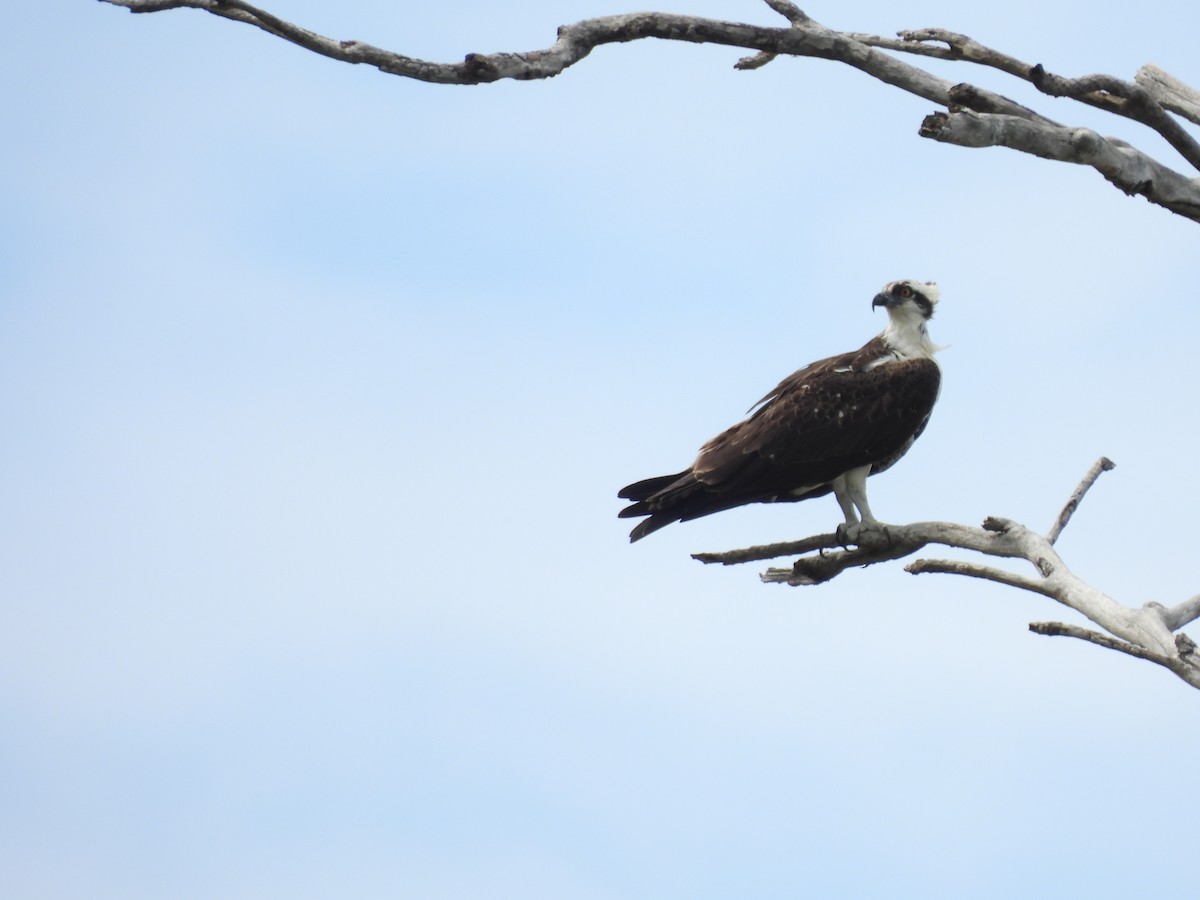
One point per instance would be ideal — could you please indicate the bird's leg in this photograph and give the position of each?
(850, 526)
(851, 491)
(844, 501)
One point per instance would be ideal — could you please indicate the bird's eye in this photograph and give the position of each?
(905, 292)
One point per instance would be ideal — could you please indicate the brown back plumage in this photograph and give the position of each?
(857, 409)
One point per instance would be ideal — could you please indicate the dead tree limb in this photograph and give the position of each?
(1103, 464)
(969, 116)
(1147, 632)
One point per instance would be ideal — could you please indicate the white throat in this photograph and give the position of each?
(906, 334)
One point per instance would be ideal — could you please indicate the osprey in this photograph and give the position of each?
(824, 428)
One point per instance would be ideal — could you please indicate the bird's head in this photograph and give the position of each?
(910, 305)
(908, 299)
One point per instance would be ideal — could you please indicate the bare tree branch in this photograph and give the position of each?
(973, 117)
(771, 551)
(978, 570)
(1103, 464)
(793, 14)
(1147, 629)
(1132, 171)
(873, 546)
(575, 42)
(1175, 617)
(1182, 662)
(958, 47)
(1061, 629)
(1171, 93)
(789, 11)
(1123, 98)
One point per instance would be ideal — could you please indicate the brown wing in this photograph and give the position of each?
(819, 423)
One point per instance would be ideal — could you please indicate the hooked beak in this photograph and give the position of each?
(882, 300)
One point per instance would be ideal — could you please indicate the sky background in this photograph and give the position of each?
(319, 386)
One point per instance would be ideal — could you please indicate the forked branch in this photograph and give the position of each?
(968, 116)
(1147, 632)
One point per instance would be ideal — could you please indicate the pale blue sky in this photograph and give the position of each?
(319, 387)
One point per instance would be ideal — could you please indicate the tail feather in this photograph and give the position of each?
(666, 499)
(648, 487)
(650, 525)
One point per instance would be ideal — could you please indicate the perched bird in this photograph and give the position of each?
(824, 428)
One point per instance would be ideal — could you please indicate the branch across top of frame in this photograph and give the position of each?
(805, 37)
(973, 117)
